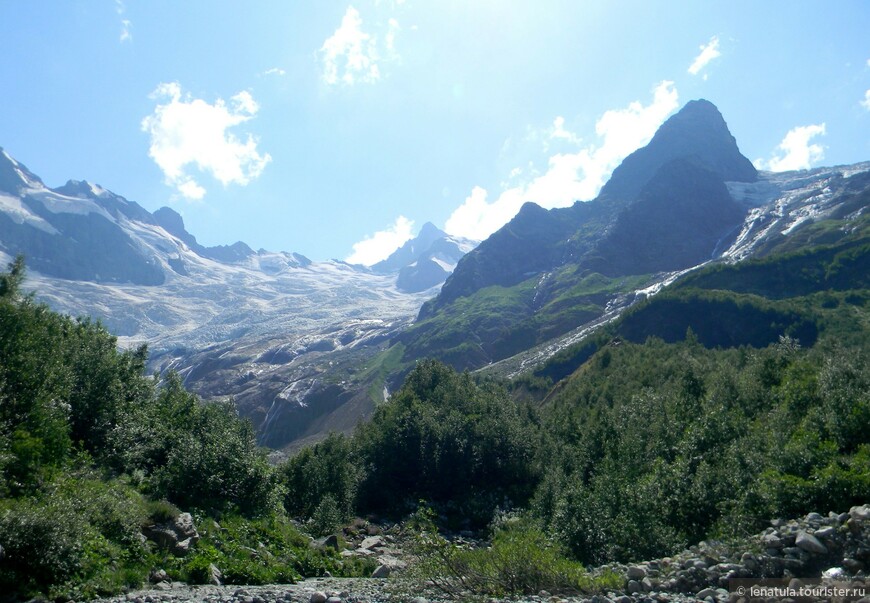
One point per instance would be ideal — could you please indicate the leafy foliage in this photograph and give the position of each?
(520, 560)
(80, 425)
(446, 439)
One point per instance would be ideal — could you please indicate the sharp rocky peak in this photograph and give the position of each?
(697, 133)
(15, 176)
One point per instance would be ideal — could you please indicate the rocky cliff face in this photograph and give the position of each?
(670, 192)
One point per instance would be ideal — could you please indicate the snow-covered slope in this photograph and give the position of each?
(229, 319)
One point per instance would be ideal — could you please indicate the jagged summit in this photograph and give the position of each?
(426, 260)
(15, 176)
(697, 133)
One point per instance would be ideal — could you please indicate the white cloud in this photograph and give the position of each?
(126, 35)
(866, 102)
(274, 71)
(189, 132)
(709, 51)
(380, 245)
(352, 55)
(560, 133)
(569, 176)
(795, 151)
(353, 49)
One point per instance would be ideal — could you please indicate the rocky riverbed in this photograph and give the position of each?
(815, 550)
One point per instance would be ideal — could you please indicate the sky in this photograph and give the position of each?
(337, 129)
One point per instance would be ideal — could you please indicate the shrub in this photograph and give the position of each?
(520, 560)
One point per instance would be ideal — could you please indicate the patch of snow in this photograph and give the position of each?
(21, 214)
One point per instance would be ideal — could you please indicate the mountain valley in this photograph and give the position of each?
(304, 348)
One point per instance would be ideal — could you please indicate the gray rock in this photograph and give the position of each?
(182, 547)
(183, 526)
(419, 600)
(634, 586)
(162, 535)
(158, 575)
(707, 592)
(372, 542)
(860, 513)
(317, 597)
(214, 574)
(330, 541)
(825, 533)
(810, 543)
(635, 573)
(333, 600)
(382, 571)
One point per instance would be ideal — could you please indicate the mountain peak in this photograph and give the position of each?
(80, 188)
(697, 133)
(14, 175)
(430, 232)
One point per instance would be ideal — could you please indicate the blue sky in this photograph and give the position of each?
(337, 129)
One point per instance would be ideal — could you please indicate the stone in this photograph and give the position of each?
(853, 565)
(333, 600)
(162, 535)
(419, 600)
(330, 541)
(214, 575)
(372, 542)
(707, 592)
(635, 573)
(810, 543)
(317, 597)
(182, 547)
(183, 526)
(382, 571)
(860, 513)
(825, 533)
(634, 586)
(158, 575)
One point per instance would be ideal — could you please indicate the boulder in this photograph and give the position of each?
(317, 597)
(330, 541)
(214, 575)
(372, 542)
(183, 526)
(810, 543)
(382, 571)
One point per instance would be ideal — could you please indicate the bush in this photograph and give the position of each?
(521, 560)
(79, 538)
(267, 550)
